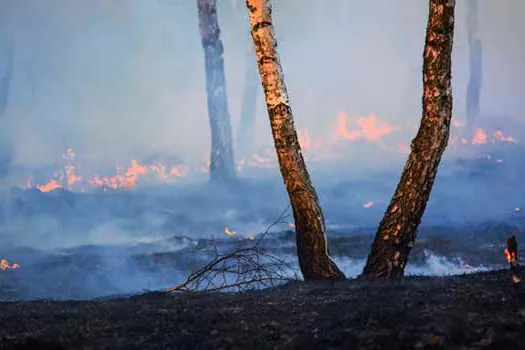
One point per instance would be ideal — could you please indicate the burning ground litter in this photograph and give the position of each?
(100, 270)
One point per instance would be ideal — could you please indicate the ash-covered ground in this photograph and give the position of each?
(85, 245)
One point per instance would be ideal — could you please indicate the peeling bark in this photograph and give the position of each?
(397, 231)
(246, 132)
(314, 260)
(476, 65)
(222, 163)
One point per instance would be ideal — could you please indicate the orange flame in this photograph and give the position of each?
(229, 232)
(480, 137)
(499, 136)
(4, 265)
(50, 186)
(510, 257)
(71, 176)
(370, 128)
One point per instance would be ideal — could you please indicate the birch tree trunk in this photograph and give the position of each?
(222, 163)
(397, 231)
(476, 62)
(314, 260)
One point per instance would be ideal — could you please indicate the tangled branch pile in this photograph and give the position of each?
(240, 270)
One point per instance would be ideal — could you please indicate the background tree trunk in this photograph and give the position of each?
(222, 162)
(397, 231)
(6, 76)
(476, 66)
(246, 131)
(314, 261)
(6, 73)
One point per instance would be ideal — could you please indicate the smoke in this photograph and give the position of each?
(124, 79)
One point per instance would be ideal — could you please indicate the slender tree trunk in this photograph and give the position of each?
(314, 260)
(6, 74)
(222, 163)
(246, 131)
(5, 77)
(476, 62)
(397, 231)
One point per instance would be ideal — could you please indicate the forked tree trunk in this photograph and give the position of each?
(246, 131)
(397, 231)
(222, 163)
(314, 260)
(475, 69)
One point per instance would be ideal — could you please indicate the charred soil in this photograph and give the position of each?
(479, 310)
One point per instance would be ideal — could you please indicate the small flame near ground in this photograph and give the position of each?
(5, 265)
(229, 232)
(509, 256)
(232, 233)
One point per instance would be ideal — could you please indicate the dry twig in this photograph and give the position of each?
(240, 270)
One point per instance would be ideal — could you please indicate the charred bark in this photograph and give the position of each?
(475, 69)
(397, 231)
(222, 163)
(314, 260)
(245, 133)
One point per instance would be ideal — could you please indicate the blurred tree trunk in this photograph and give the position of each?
(6, 76)
(222, 162)
(397, 231)
(6, 73)
(476, 66)
(246, 131)
(314, 260)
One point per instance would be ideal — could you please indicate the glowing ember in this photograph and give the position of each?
(229, 232)
(368, 205)
(4, 265)
(50, 186)
(510, 257)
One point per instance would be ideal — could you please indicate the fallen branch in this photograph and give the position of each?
(240, 270)
(511, 254)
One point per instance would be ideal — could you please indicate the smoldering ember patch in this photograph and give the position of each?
(186, 175)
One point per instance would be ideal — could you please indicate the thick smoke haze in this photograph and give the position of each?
(118, 80)
(125, 79)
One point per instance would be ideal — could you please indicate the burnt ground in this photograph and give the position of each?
(479, 310)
